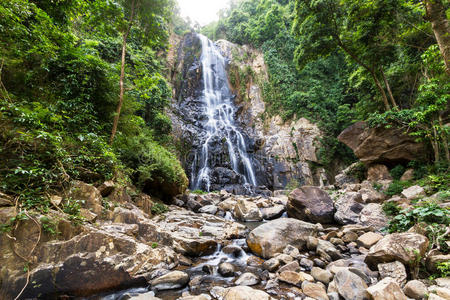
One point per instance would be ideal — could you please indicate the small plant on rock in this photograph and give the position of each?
(159, 208)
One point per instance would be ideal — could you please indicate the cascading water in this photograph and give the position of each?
(219, 123)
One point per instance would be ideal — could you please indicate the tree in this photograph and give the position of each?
(361, 29)
(150, 14)
(435, 13)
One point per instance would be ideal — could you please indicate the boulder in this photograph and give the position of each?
(348, 175)
(247, 279)
(408, 175)
(415, 289)
(247, 211)
(208, 209)
(404, 247)
(395, 270)
(386, 289)
(291, 277)
(88, 195)
(226, 269)
(272, 237)
(273, 212)
(321, 275)
(378, 172)
(373, 215)
(350, 286)
(172, 280)
(368, 239)
(106, 188)
(381, 145)
(314, 290)
(312, 204)
(348, 208)
(413, 192)
(245, 293)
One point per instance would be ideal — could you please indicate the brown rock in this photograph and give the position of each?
(314, 290)
(395, 270)
(245, 293)
(378, 172)
(106, 188)
(312, 204)
(368, 239)
(88, 195)
(381, 145)
(415, 289)
(404, 247)
(386, 289)
(291, 277)
(272, 237)
(408, 175)
(350, 286)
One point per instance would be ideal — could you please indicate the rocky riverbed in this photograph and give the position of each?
(314, 243)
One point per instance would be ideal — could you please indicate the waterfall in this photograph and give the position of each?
(219, 110)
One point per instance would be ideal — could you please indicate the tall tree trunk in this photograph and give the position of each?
(369, 69)
(435, 143)
(435, 14)
(444, 139)
(388, 87)
(122, 74)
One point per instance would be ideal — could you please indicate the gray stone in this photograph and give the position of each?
(208, 209)
(226, 269)
(404, 247)
(312, 204)
(272, 237)
(321, 275)
(348, 208)
(396, 270)
(386, 289)
(172, 280)
(350, 286)
(247, 279)
(415, 289)
(413, 192)
(247, 211)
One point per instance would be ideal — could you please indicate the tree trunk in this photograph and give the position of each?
(386, 83)
(444, 140)
(435, 143)
(122, 75)
(435, 14)
(369, 69)
(383, 93)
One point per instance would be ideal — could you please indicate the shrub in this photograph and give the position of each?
(396, 187)
(391, 208)
(397, 172)
(159, 208)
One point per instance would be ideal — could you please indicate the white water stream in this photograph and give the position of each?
(219, 110)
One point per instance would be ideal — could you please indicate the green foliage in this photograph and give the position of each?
(443, 268)
(396, 187)
(159, 208)
(58, 94)
(154, 245)
(377, 186)
(427, 212)
(391, 208)
(49, 225)
(397, 172)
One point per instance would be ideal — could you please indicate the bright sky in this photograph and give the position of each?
(202, 11)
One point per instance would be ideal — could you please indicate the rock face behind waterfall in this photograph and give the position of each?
(280, 152)
(218, 153)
